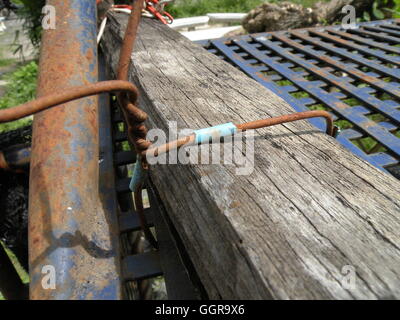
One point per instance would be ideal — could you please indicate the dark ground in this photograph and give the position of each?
(14, 201)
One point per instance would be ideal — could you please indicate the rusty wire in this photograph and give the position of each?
(188, 140)
(69, 94)
(133, 116)
(290, 118)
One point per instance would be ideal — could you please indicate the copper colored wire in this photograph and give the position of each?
(129, 40)
(134, 117)
(69, 94)
(176, 144)
(289, 118)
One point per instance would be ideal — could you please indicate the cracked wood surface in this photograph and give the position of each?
(291, 228)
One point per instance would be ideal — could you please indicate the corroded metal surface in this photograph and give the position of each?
(68, 227)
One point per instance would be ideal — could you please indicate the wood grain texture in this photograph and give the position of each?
(309, 208)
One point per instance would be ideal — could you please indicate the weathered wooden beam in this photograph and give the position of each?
(310, 211)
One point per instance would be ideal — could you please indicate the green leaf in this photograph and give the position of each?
(377, 12)
(366, 16)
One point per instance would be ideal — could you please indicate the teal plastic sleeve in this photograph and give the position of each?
(222, 130)
(137, 177)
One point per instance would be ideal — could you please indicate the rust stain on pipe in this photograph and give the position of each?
(68, 229)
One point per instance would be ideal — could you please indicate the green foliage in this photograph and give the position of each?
(376, 11)
(20, 270)
(21, 87)
(190, 8)
(304, 3)
(395, 10)
(31, 13)
(6, 62)
(382, 9)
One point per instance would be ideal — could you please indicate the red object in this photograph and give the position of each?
(164, 17)
(122, 6)
(150, 6)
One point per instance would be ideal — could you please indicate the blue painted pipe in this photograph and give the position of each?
(73, 239)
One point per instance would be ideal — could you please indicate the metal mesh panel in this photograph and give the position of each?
(353, 73)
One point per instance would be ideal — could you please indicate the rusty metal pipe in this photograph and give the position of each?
(134, 117)
(70, 236)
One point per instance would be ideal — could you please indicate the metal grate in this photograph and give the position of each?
(352, 73)
(139, 263)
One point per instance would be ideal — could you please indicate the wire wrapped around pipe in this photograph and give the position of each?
(137, 131)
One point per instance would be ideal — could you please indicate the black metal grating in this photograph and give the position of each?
(353, 73)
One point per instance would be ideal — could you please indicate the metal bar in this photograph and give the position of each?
(122, 185)
(177, 267)
(69, 229)
(360, 93)
(15, 158)
(325, 68)
(373, 81)
(265, 81)
(120, 136)
(378, 29)
(319, 94)
(365, 41)
(108, 195)
(352, 46)
(358, 118)
(141, 266)
(374, 35)
(355, 58)
(129, 221)
(124, 157)
(389, 26)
